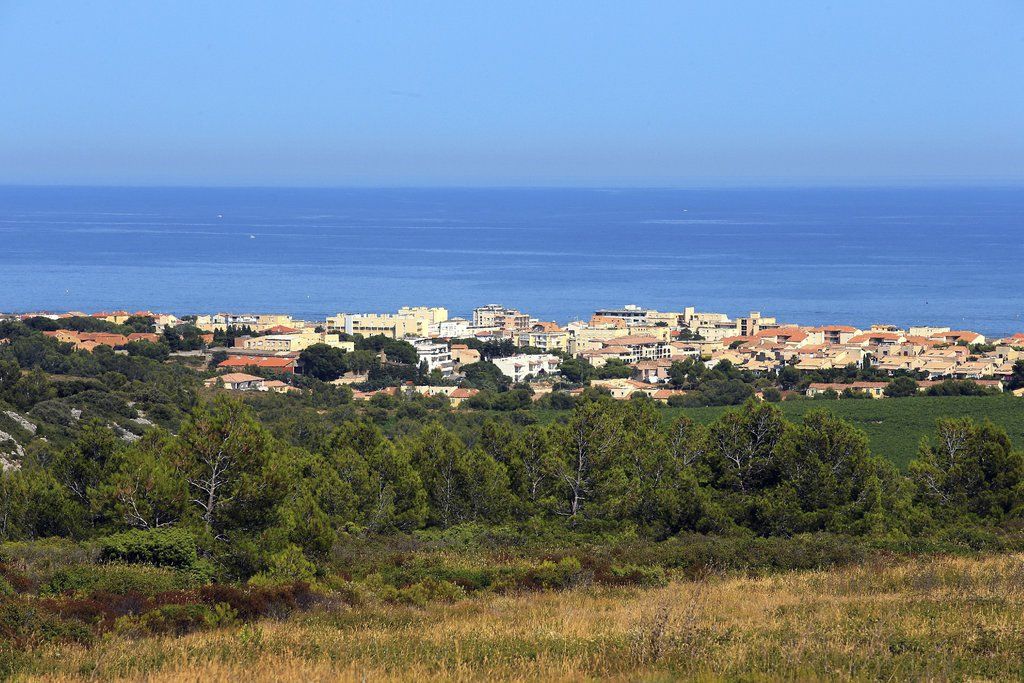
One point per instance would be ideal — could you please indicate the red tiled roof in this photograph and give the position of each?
(257, 361)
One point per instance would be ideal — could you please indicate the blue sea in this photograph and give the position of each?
(857, 256)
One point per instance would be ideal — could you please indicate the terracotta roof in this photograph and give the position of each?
(736, 338)
(868, 336)
(258, 361)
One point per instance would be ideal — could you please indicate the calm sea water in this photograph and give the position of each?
(950, 256)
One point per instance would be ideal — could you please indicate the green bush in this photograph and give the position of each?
(554, 575)
(422, 593)
(158, 547)
(118, 579)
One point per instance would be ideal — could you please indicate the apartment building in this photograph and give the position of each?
(546, 336)
(836, 334)
(522, 365)
(408, 322)
(497, 316)
(634, 349)
(433, 315)
(754, 323)
(437, 355)
(714, 329)
(590, 337)
(454, 328)
(291, 343)
(630, 313)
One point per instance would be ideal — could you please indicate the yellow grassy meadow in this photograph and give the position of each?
(937, 618)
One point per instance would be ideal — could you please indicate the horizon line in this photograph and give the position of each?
(872, 185)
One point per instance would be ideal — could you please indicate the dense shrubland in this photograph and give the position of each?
(255, 504)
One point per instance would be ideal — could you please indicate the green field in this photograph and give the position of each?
(896, 425)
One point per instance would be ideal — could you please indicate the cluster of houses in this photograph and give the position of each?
(240, 381)
(646, 340)
(87, 341)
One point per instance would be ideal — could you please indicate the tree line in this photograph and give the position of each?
(251, 500)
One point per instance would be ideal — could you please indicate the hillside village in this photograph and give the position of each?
(637, 348)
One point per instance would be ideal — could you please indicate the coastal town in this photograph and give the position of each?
(625, 351)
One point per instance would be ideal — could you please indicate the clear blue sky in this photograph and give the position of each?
(554, 92)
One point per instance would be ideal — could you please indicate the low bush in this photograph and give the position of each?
(564, 573)
(262, 601)
(114, 578)
(158, 547)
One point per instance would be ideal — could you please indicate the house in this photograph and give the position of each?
(278, 387)
(652, 371)
(960, 337)
(351, 378)
(87, 341)
(460, 394)
(63, 336)
(292, 342)
(463, 355)
(275, 363)
(620, 389)
(877, 338)
(236, 381)
(872, 389)
(985, 383)
(664, 395)
(455, 395)
(282, 329)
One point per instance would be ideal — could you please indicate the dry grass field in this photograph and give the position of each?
(934, 619)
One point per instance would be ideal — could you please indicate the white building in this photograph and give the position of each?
(454, 328)
(436, 354)
(520, 366)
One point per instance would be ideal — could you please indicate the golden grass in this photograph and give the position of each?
(934, 619)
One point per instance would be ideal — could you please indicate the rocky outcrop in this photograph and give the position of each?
(11, 452)
(22, 421)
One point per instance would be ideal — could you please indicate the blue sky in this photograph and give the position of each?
(568, 92)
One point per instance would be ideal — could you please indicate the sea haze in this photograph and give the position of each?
(906, 256)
